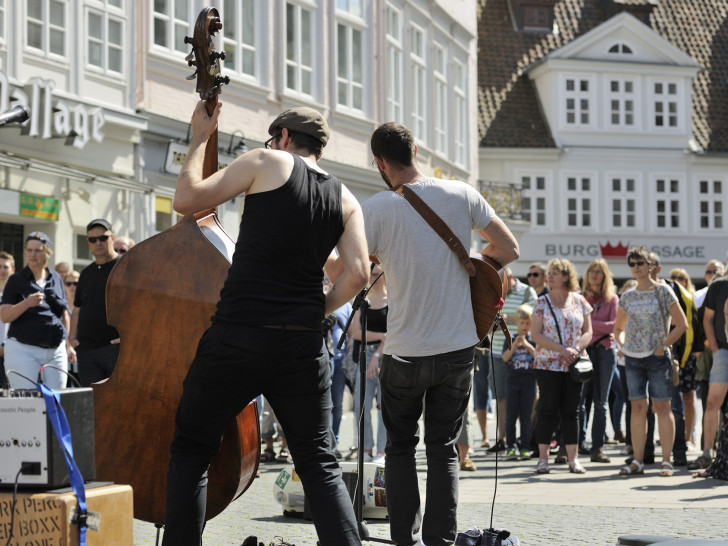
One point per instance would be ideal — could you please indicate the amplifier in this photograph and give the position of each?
(27, 437)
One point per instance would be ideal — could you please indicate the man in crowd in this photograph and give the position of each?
(266, 335)
(123, 244)
(7, 268)
(713, 270)
(537, 278)
(96, 342)
(428, 355)
(714, 323)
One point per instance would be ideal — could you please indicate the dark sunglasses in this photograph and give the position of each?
(533, 275)
(636, 264)
(121, 251)
(269, 142)
(678, 278)
(102, 238)
(711, 271)
(72, 283)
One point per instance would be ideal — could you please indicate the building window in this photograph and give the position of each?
(534, 198)
(45, 24)
(299, 49)
(105, 41)
(172, 22)
(711, 197)
(417, 82)
(667, 202)
(238, 36)
(577, 94)
(624, 202)
(350, 54)
(394, 65)
(461, 111)
(536, 18)
(665, 101)
(441, 101)
(620, 49)
(2, 20)
(579, 200)
(621, 103)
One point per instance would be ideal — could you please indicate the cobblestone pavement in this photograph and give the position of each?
(555, 509)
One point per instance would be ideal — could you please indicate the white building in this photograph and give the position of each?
(610, 117)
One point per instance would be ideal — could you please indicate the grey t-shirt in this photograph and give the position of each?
(430, 311)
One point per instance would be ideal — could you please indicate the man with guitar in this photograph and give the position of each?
(431, 331)
(266, 335)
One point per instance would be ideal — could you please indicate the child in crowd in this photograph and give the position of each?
(520, 385)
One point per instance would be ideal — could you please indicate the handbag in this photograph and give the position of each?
(668, 351)
(582, 370)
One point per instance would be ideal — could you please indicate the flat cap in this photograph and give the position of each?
(302, 120)
(98, 222)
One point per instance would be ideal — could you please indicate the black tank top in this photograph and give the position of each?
(286, 234)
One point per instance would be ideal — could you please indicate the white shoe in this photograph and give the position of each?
(378, 458)
(367, 458)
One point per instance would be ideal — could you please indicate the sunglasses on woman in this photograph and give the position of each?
(71, 283)
(102, 238)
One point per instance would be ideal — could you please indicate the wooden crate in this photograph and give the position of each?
(44, 518)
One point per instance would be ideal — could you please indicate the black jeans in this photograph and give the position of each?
(234, 365)
(96, 364)
(443, 383)
(558, 398)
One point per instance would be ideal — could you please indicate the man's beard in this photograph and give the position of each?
(385, 178)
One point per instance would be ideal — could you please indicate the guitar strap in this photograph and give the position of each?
(444, 231)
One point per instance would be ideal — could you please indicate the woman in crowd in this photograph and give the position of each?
(376, 335)
(642, 334)
(34, 304)
(561, 329)
(70, 281)
(599, 291)
(681, 276)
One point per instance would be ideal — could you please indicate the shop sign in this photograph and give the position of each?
(51, 117)
(35, 206)
(177, 155)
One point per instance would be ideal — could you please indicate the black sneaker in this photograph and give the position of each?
(499, 446)
(700, 463)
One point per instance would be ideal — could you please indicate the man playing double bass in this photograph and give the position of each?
(266, 334)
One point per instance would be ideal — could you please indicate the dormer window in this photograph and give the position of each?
(620, 49)
(532, 15)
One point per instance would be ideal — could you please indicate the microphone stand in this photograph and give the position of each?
(361, 303)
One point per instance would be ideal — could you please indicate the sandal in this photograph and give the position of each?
(543, 466)
(283, 456)
(666, 469)
(268, 456)
(485, 444)
(576, 468)
(632, 468)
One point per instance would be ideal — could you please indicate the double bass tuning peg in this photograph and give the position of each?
(192, 76)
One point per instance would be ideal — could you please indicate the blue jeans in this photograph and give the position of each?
(338, 385)
(372, 390)
(651, 372)
(679, 447)
(520, 393)
(232, 366)
(481, 387)
(443, 383)
(619, 398)
(605, 364)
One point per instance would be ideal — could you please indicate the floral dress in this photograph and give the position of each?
(570, 320)
(719, 467)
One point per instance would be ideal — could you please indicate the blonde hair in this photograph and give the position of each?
(607, 289)
(565, 266)
(523, 312)
(628, 285)
(680, 271)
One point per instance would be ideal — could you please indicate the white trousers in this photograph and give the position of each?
(28, 359)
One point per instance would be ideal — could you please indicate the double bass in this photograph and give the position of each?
(160, 298)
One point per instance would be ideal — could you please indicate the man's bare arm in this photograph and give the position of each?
(710, 329)
(352, 247)
(503, 247)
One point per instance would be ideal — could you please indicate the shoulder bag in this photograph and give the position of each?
(668, 351)
(582, 370)
(487, 281)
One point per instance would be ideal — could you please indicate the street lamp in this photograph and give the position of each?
(240, 148)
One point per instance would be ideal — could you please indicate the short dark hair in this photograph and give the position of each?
(305, 142)
(640, 252)
(395, 143)
(9, 257)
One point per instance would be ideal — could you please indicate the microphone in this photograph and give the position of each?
(17, 114)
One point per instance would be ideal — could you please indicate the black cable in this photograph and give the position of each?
(12, 506)
(21, 375)
(497, 414)
(60, 370)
